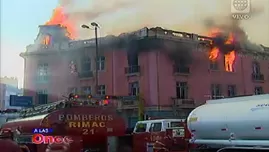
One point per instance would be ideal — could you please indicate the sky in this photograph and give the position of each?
(19, 28)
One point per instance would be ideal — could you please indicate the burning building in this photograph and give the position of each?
(175, 71)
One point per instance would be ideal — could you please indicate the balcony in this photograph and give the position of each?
(132, 70)
(86, 74)
(257, 77)
(184, 103)
(181, 70)
(127, 104)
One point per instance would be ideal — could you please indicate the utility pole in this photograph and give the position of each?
(141, 108)
(96, 26)
(96, 59)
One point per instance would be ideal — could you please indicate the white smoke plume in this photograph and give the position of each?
(118, 16)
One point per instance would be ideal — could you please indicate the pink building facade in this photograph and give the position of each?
(168, 88)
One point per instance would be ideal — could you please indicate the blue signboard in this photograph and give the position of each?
(42, 130)
(21, 101)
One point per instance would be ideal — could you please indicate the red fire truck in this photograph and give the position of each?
(88, 126)
(95, 127)
(161, 135)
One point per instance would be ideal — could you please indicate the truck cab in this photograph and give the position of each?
(159, 125)
(160, 134)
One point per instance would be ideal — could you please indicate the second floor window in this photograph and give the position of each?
(231, 90)
(214, 65)
(134, 89)
(42, 72)
(101, 63)
(86, 90)
(101, 90)
(42, 96)
(256, 68)
(258, 90)
(182, 90)
(86, 64)
(216, 91)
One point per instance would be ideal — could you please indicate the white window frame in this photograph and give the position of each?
(101, 90)
(134, 88)
(43, 72)
(182, 89)
(101, 63)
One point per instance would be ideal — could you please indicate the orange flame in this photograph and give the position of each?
(213, 54)
(214, 32)
(230, 39)
(229, 58)
(46, 40)
(60, 18)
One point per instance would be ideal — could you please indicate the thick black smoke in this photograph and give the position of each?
(241, 40)
(179, 52)
(220, 42)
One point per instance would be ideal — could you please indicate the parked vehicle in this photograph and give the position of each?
(239, 123)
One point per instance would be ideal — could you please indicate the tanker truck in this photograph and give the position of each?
(231, 124)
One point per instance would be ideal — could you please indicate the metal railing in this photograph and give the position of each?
(257, 77)
(86, 74)
(132, 69)
(184, 103)
(127, 104)
(182, 69)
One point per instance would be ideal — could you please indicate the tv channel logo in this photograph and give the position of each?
(240, 9)
(240, 6)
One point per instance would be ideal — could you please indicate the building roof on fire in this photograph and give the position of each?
(157, 32)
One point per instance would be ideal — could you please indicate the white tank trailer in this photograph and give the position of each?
(239, 123)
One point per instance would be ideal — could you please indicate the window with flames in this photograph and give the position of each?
(47, 40)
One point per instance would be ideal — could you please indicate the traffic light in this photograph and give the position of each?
(76, 96)
(89, 96)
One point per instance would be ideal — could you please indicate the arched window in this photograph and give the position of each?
(46, 40)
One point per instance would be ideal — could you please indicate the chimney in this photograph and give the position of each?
(51, 34)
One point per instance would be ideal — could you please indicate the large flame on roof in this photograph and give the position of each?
(60, 18)
(229, 58)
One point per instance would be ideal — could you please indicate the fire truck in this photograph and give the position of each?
(93, 125)
(161, 135)
(230, 124)
(90, 125)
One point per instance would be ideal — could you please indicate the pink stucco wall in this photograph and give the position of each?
(157, 80)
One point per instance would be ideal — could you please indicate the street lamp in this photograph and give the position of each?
(96, 26)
